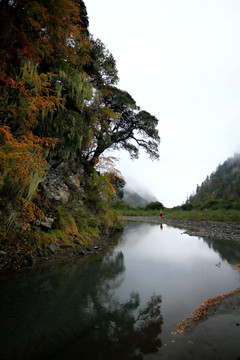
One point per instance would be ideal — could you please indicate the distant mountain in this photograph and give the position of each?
(134, 199)
(222, 184)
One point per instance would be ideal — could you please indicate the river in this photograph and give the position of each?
(124, 301)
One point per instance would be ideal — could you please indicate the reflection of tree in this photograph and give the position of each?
(118, 333)
(228, 250)
(115, 330)
(150, 321)
(113, 264)
(70, 310)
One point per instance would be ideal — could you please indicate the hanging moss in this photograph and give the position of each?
(34, 182)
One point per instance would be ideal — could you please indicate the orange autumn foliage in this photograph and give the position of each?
(28, 212)
(37, 40)
(20, 158)
(107, 164)
(29, 96)
(64, 27)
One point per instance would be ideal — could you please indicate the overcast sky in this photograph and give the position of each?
(180, 61)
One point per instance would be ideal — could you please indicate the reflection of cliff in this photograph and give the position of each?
(229, 251)
(70, 311)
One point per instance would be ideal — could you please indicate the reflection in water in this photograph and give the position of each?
(178, 266)
(120, 332)
(229, 252)
(71, 310)
(121, 303)
(161, 226)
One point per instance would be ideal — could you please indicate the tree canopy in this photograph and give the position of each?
(58, 99)
(120, 124)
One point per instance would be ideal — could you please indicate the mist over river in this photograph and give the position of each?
(124, 301)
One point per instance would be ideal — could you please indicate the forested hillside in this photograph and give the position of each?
(222, 185)
(60, 109)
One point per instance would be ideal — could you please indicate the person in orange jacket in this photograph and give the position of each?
(161, 214)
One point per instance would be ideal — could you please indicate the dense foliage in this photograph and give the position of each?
(126, 209)
(221, 189)
(155, 205)
(59, 102)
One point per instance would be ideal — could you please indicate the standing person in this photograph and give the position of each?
(161, 214)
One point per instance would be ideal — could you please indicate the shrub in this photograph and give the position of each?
(156, 205)
(187, 207)
(119, 204)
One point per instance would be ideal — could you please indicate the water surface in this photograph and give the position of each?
(123, 302)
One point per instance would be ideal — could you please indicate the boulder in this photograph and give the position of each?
(52, 248)
(47, 223)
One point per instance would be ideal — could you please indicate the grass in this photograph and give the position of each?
(138, 212)
(72, 223)
(231, 216)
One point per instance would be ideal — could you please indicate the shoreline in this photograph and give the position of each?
(223, 304)
(229, 304)
(65, 253)
(205, 229)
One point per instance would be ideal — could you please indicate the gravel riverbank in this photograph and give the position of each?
(205, 229)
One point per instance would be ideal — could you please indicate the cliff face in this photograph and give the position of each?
(62, 181)
(72, 225)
